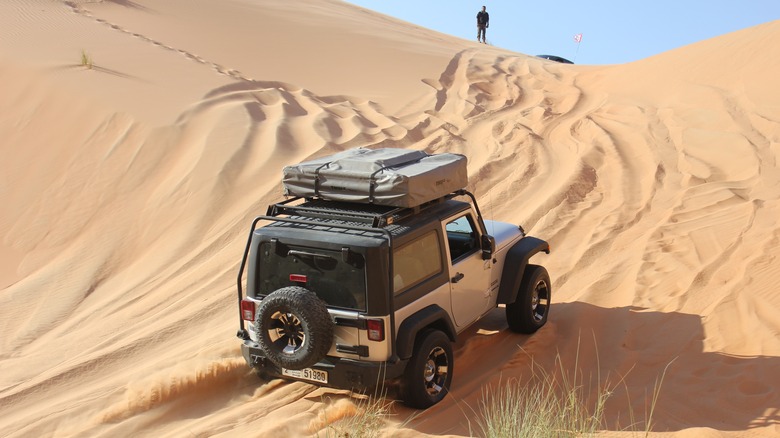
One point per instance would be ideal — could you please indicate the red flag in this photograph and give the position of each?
(578, 38)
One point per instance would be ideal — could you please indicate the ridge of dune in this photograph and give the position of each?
(126, 192)
(742, 63)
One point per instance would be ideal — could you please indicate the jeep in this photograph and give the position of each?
(358, 295)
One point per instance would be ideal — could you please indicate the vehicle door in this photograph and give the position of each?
(469, 273)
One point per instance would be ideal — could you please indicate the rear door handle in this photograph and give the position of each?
(458, 277)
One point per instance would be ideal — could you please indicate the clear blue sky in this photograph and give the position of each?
(613, 32)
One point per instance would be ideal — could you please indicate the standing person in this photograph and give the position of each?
(483, 22)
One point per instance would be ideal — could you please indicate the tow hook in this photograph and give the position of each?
(257, 361)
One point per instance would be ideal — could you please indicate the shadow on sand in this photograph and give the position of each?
(625, 348)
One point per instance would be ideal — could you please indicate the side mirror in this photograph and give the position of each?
(488, 246)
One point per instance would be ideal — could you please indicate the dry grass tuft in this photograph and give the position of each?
(86, 59)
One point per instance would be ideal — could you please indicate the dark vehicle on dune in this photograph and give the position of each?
(555, 58)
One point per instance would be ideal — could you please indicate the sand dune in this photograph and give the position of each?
(126, 191)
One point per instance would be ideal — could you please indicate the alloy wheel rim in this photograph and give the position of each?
(286, 332)
(435, 371)
(540, 300)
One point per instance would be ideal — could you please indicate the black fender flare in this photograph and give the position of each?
(514, 265)
(432, 316)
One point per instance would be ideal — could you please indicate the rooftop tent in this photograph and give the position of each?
(394, 177)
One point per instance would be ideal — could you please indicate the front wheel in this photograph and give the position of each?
(532, 306)
(429, 372)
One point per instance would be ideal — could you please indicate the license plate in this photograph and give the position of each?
(307, 374)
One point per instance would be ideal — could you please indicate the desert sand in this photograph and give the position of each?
(127, 189)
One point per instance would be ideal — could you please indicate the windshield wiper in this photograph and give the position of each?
(297, 253)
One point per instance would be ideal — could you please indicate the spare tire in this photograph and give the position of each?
(294, 328)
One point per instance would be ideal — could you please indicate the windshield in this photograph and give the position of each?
(337, 277)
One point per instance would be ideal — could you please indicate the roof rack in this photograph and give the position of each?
(376, 216)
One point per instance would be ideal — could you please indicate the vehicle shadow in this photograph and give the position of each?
(626, 350)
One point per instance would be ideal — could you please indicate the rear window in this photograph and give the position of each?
(336, 277)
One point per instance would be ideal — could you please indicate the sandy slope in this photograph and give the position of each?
(126, 191)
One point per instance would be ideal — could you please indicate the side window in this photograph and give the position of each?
(461, 237)
(416, 261)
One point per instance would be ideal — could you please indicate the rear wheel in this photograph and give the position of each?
(532, 306)
(429, 372)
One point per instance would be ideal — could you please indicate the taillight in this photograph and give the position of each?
(376, 329)
(247, 310)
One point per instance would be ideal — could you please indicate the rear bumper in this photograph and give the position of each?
(342, 373)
